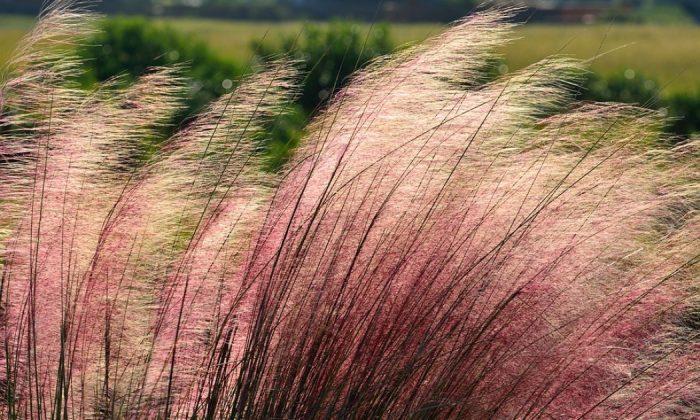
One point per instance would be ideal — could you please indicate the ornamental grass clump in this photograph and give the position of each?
(438, 246)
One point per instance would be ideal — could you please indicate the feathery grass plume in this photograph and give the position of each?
(205, 196)
(35, 87)
(105, 252)
(55, 293)
(439, 246)
(438, 249)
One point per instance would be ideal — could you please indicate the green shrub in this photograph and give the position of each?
(628, 87)
(284, 137)
(130, 46)
(329, 54)
(683, 107)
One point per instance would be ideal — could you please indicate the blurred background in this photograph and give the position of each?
(652, 47)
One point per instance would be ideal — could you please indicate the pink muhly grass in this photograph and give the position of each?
(437, 247)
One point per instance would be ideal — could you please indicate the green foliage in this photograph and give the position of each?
(130, 46)
(683, 108)
(328, 55)
(628, 87)
(284, 137)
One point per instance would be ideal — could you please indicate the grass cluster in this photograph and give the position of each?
(442, 244)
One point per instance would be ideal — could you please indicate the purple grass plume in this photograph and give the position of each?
(438, 246)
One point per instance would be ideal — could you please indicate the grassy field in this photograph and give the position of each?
(11, 31)
(668, 53)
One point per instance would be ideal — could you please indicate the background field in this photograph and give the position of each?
(670, 54)
(11, 30)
